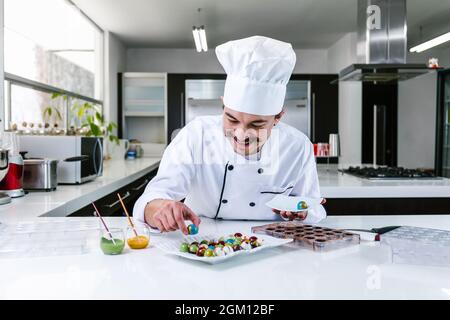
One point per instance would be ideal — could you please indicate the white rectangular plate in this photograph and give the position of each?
(288, 203)
(172, 246)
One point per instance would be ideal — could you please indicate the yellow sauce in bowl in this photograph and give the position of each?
(139, 242)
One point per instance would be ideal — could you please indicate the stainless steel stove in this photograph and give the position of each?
(390, 173)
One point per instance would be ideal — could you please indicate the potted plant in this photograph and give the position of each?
(52, 114)
(90, 122)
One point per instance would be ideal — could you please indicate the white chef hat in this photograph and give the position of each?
(258, 69)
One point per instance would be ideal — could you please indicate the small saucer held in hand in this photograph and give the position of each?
(292, 204)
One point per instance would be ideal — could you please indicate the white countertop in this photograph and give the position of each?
(334, 184)
(358, 272)
(69, 198)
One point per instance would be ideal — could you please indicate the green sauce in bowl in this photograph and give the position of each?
(108, 246)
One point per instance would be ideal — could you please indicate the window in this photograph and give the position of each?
(49, 44)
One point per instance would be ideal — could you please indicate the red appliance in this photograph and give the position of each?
(12, 182)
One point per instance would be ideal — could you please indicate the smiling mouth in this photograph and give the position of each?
(244, 143)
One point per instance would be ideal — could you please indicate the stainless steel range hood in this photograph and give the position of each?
(382, 41)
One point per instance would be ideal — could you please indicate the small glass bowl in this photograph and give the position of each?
(140, 240)
(115, 245)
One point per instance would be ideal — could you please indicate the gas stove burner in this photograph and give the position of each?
(390, 173)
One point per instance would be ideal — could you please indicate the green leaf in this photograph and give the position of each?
(99, 117)
(46, 110)
(58, 114)
(55, 95)
(96, 131)
(81, 112)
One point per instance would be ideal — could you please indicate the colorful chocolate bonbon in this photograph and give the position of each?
(222, 246)
(302, 205)
(184, 247)
(192, 229)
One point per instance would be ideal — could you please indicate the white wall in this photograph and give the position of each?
(340, 55)
(189, 61)
(443, 54)
(417, 107)
(417, 122)
(115, 61)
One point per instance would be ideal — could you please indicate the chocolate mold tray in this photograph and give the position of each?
(419, 246)
(308, 236)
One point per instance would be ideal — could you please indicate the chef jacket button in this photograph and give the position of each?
(224, 201)
(230, 167)
(260, 170)
(251, 204)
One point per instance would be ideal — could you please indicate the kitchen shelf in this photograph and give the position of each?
(144, 102)
(144, 108)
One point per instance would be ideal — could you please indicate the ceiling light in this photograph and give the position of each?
(203, 38)
(196, 35)
(432, 43)
(199, 35)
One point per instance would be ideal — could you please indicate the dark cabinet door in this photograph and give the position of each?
(109, 205)
(324, 107)
(379, 123)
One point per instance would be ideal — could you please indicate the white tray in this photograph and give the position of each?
(288, 203)
(172, 246)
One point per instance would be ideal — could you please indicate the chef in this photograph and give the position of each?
(229, 166)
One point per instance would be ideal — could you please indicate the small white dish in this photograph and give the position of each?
(172, 246)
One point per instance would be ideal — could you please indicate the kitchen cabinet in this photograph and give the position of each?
(142, 110)
(379, 123)
(324, 105)
(109, 205)
(443, 125)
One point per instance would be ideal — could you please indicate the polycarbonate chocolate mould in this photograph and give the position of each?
(309, 236)
(419, 246)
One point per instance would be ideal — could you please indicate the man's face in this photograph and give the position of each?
(247, 132)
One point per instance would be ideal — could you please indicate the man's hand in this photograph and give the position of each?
(295, 215)
(169, 215)
(292, 215)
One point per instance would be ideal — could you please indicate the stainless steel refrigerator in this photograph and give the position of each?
(443, 124)
(203, 97)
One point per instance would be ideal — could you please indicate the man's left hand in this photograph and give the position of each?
(295, 215)
(292, 215)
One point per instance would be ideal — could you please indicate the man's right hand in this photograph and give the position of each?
(169, 215)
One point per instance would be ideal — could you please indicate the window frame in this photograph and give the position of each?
(8, 79)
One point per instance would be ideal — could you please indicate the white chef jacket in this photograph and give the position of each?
(200, 166)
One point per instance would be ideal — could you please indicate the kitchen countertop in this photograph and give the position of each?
(334, 184)
(69, 198)
(358, 272)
